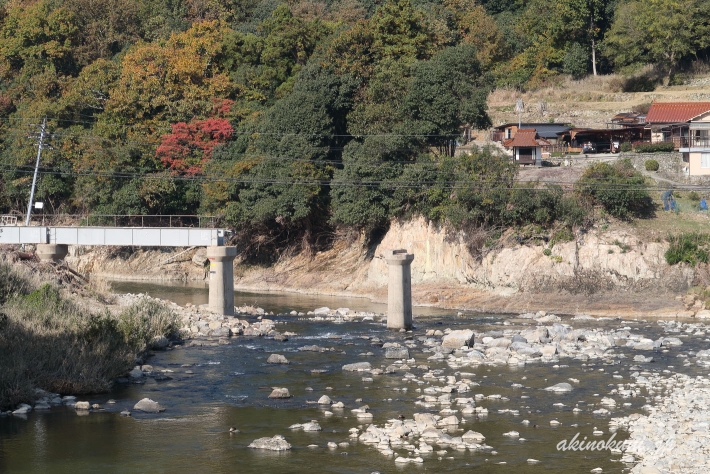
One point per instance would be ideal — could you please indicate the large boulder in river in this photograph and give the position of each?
(221, 332)
(277, 443)
(276, 359)
(560, 387)
(279, 392)
(159, 343)
(458, 338)
(357, 367)
(396, 353)
(148, 406)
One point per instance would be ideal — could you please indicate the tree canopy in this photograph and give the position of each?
(292, 119)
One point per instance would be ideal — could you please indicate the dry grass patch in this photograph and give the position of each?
(49, 342)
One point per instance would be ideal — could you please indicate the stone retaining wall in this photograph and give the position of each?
(670, 166)
(668, 163)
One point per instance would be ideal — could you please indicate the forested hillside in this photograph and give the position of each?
(293, 119)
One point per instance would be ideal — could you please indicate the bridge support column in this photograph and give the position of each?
(399, 289)
(221, 298)
(51, 252)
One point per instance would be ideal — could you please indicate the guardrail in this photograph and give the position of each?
(115, 220)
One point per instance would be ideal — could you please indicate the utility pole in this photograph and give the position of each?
(520, 108)
(43, 130)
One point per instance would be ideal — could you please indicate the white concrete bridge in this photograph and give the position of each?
(120, 236)
(53, 245)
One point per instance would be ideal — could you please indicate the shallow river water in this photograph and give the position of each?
(217, 387)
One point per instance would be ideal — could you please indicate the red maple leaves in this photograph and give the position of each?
(189, 146)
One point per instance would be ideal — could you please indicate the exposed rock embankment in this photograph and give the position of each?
(599, 272)
(126, 263)
(605, 273)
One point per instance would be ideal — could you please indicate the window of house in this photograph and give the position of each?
(705, 160)
(508, 133)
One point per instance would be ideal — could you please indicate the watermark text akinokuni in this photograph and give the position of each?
(576, 444)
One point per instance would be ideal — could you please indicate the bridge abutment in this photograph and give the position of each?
(52, 252)
(399, 289)
(221, 299)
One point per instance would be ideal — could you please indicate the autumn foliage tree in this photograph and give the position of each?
(189, 147)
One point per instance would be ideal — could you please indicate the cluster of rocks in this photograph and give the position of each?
(199, 321)
(202, 323)
(540, 343)
(342, 315)
(47, 400)
(44, 401)
(424, 434)
(672, 436)
(546, 340)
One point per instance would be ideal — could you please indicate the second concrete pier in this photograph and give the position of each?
(221, 298)
(399, 289)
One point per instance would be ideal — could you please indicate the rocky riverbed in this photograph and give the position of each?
(463, 390)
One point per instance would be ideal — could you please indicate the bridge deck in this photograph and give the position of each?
(119, 236)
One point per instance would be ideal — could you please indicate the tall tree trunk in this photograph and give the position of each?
(667, 80)
(594, 57)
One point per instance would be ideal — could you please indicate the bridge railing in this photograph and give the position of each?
(114, 220)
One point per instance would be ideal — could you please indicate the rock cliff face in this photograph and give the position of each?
(589, 264)
(599, 272)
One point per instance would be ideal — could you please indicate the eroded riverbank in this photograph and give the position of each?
(603, 273)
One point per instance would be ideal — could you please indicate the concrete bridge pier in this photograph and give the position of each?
(221, 298)
(51, 252)
(399, 289)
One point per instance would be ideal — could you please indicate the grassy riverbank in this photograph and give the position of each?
(49, 341)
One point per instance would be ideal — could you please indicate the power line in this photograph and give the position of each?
(168, 129)
(493, 185)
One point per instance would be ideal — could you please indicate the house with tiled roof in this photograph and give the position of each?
(527, 146)
(670, 121)
(687, 125)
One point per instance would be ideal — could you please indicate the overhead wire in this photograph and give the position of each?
(492, 185)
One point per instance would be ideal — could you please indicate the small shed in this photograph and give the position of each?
(527, 147)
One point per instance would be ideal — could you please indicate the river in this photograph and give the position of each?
(213, 388)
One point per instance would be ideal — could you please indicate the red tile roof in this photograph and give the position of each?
(675, 112)
(526, 137)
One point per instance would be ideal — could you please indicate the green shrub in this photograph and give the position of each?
(625, 147)
(624, 247)
(562, 235)
(694, 196)
(572, 211)
(663, 147)
(690, 248)
(651, 165)
(547, 252)
(617, 187)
